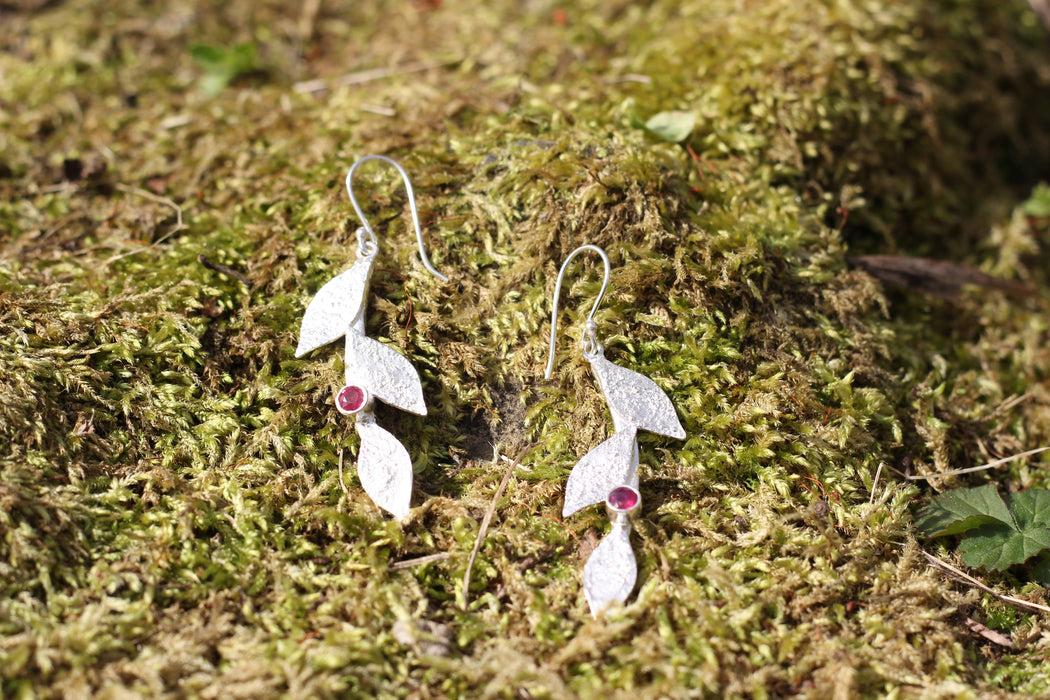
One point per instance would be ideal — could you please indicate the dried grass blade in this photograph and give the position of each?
(968, 470)
(465, 593)
(963, 577)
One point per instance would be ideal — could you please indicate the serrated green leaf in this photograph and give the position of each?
(672, 126)
(998, 534)
(960, 510)
(996, 546)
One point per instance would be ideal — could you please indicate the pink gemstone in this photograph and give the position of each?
(350, 399)
(623, 498)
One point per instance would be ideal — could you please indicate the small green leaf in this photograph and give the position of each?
(672, 126)
(211, 84)
(1039, 203)
(209, 58)
(960, 510)
(221, 65)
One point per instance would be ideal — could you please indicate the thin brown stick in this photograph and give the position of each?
(996, 463)
(989, 634)
(630, 78)
(367, 76)
(465, 593)
(963, 577)
(223, 269)
(1005, 406)
(341, 482)
(308, 19)
(160, 200)
(175, 121)
(419, 561)
(379, 109)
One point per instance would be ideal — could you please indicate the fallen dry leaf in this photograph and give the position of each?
(988, 633)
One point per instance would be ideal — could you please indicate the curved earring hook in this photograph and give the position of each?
(591, 347)
(367, 237)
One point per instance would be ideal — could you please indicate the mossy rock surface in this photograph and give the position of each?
(174, 519)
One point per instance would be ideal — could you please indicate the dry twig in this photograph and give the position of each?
(367, 76)
(963, 577)
(465, 595)
(223, 269)
(989, 634)
(938, 278)
(996, 463)
(875, 482)
(419, 561)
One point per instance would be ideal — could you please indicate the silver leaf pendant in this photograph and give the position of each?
(637, 400)
(384, 467)
(609, 473)
(335, 307)
(607, 466)
(373, 371)
(389, 376)
(611, 570)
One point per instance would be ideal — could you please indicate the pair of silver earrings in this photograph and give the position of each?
(608, 473)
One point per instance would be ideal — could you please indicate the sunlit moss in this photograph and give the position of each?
(172, 519)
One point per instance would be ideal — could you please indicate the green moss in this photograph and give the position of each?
(172, 519)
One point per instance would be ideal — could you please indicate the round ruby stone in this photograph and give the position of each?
(350, 399)
(623, 498)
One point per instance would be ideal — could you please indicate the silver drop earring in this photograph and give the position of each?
(609, 472)
(373, 370)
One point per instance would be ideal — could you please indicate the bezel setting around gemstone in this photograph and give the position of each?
(623, 499)
(351, 399)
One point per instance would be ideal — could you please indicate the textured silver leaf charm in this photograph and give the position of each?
(384, 467)
(611, 570)
(608, 473)
(388, 375)
(607, 466)
(372, 371)
(636, 400)
(336, 305)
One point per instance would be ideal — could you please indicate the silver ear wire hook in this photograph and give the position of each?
(591, 347)
(366, 237)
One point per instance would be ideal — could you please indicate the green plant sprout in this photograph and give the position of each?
(221, 65)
